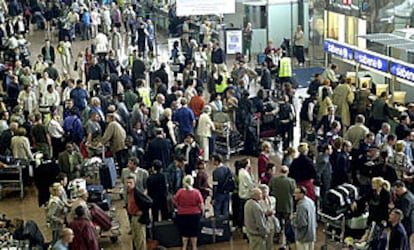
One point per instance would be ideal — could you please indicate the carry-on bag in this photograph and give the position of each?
(100, 218)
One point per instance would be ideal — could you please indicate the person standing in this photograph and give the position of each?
(246, 184)
(115, 135)
(302, 170)
(55, 211)
(247, 40)
(255, 221)
(204, 131)
(221, 187)
(398, 236)
(158, 191)
(304, 221)
(190, 207)
(405, 202)
(84, 232)
(138, 208)
(343, 97)
(299, 41)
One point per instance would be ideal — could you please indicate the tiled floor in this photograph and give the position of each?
(27, 208)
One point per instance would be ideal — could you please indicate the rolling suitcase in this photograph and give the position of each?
(106, 203)
(107, 171)
(96, 193)
(166, 233)
(100, 218)
(214, 229)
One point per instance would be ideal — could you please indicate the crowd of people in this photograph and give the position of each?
(160, 128)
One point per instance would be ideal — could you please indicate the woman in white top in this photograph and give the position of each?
(20, 145)
(66, 54)
(204, 131)
(27, 99)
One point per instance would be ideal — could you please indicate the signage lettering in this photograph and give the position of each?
(371, 61)
(402, 71)
(338, 50)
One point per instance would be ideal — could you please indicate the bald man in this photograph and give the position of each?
(255, 221)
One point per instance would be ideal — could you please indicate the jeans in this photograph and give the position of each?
(221, 204)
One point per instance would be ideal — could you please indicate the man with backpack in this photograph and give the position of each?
(307, 115)
(223, 185)
(286, 121)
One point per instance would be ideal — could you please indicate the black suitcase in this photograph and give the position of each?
(106, 203)
(107, 173)
(166, 233)
(214, 229)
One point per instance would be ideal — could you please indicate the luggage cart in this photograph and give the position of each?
(334, 230)
(12, 178)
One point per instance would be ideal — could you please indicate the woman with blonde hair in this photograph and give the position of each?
(169, 126)
(400, 161)
(190, 207)
(20, 145)
(55, 210)
(377, 200)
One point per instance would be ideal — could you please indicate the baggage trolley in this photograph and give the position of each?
(334, 230)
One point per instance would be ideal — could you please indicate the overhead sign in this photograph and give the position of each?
(338, 50)
(203, 7)
(371, 61)
(233, 41)
(402, 71)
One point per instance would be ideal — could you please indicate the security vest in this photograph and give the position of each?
(223, 86)
(285, 69)
(144, 93)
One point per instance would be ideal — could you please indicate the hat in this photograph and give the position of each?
(80, 192)
(410, 105)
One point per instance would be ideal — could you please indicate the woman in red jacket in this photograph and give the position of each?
(264, 158)
(190, 209)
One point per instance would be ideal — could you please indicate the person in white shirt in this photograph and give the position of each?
(106, 19)
(56, 133)
(43, 83)
(66, 55)
(204, 130)
(95, 21)
(381, 136)
(157, 109)
(27, 99)
(246, 184)
(51, 97)
(68, 89)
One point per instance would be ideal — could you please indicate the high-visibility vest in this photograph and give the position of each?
(285, 69)
(144, 93)
(221, 87)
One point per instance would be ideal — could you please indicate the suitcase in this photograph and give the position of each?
(214, 229)
(100, 218)
(338, 202)
(106, 203)
(166, 233)
(107, 173)
(96, 193)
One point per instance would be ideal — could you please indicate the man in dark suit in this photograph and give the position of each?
(343, 165)
(266, 79)
(70, 162)
(327, 120)
(138, 69)
(160, 148)
(161, 73)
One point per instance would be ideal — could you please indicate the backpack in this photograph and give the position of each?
(229, 182)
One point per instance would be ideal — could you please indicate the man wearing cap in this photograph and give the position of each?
(82, 197)
(302, 170)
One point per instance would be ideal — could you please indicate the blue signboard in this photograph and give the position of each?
(338, 50)
(402, 71)
(371, 61)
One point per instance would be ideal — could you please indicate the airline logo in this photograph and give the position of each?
(338, 50)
